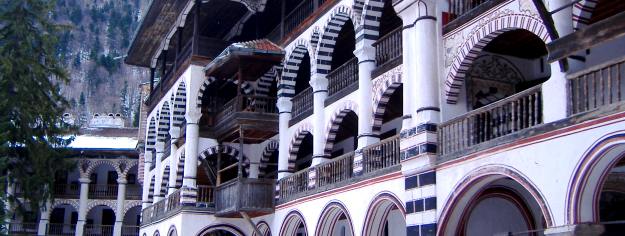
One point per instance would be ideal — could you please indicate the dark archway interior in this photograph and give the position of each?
(348, 128)
(394, 110)
(219, 233)
(303, 74)
(301, 230)
(227, 165)
(345, 45)
(304, 154)
(271, 170)
(612, 200)
(215, 96)
(389, 21)
(510, 63)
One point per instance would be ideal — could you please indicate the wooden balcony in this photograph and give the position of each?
(596, 87)
(102, 191)
(302, 105)
(256, 115)
(378, 159)
(21, 228)
(252, 196)
(172, 205)
(388, 52)
(507, 116)
(98, 230)
(67, 191)
(342, 81)
(463, 11)
(61, 229)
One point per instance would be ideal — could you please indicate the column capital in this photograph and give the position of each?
(174, 132)
(193, 116)
(365, 52)
(319, 82)
(122, 180)
(84, 180)
(284, 104)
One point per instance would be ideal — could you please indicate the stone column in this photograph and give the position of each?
(425, 54)
(408, 74)
(319, 83)
(82, 207)
(121, 198)
(147, 163)
(160, 149)
(284, 107)
(189, 187)
(174, 132)
(44, 219)
(366, 64)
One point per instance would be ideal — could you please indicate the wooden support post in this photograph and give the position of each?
(218, 172)
(152, 79)
(241, 133)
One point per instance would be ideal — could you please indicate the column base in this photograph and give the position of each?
(576, 230)
(188, 196)
(117, 228)
(80, 227)
(43, 225)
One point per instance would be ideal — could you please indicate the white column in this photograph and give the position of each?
(82, 207)
(44, 219)
(408, 73)
(563, 21)
(366, 63)
(146, 178)
(319, 83)
(284, 107)
(174, 132)
(158, 171)
(189, 187)
(121, 198)
(426, 76)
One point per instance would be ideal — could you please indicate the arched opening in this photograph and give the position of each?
(385, 217)
(611, 203)
(103, 183)
(389, 21)
(269, 162)
(133, 188)
(293, 225)
(132, 219)
(221, 230)
(388, 115)
(151, 189)
(219, 233)
(264, 229)
(494, 203)
(303, 156)
(302, 80)
(343, 134)
(512, 62)
(345, 45)
(63, 218)
(100, 221)
(164, 182)
(335, 221)
(223, 166)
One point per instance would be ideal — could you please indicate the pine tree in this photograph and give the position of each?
(31, 126)
(125, 100)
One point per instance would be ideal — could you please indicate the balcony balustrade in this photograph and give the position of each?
(596, 87)
(98, 230)
(509, 115)
(388, 48)
(253, 196)
(102, 191)
(381, 155)
(205, 195)
(339, 171)
(302, 102)
(461, 7)
(130, 230)
(172, 203)
(61, 229)
(67, 191)
(133, 192)
(247, 104)
(298, 15)
(343, 76)
(21, 228)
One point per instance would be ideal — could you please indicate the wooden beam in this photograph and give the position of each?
(588, 37)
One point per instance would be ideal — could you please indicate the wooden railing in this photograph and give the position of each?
(298, 15)
(343, 76)
(61, 229)
(102, 191)
(302, 102)
(133, 192)
(245, 194)
(21, 228)
(173, 201)
(98, 230)
(160, 207)
(67, 190)
(255, 104)
(388, 47)
(293, 184)
(130, 230)
(597, 86)
(205, 194)
(461, 7)
(147, 214)
(334, 171)
(517, 112)
(381, 155)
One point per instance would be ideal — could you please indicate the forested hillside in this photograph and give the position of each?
(93, 50)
